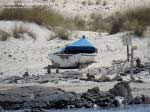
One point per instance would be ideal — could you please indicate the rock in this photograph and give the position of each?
(71, 75)
(14, 79)
(28, 97)
(1, 109)
(65, 100)
(94, 90)
(123, 74)
(83, 103)
(118, 78)
(120, 101)
(146, 99)
(138, 81)
(138, 100)
(104, 79)
(101, 99)
(38, 98)
(25, 75)
(90, 77)
(122, 89)
(9, 55)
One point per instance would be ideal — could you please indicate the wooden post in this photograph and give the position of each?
(128, 53)
(132, 63)
(57, 70)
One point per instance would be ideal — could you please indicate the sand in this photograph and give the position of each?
(20, 55)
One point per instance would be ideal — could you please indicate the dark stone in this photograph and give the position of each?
(90, 77)
(94, 90)
(27, 97)
(122, 89)
(25, 75)
(123, 74)
(71, 74)
(9, 55)
(138, 62)
(138, 100)
(38, 98)
(100, 98)
(83, 103)
(146, 99)
(14, 79)
(104, 79)
(118, 78)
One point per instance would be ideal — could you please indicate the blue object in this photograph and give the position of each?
(81, 46)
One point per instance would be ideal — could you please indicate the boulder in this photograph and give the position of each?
(122, 89)
(145, 99)
(138, 100)
(35, 97)
(99, 98)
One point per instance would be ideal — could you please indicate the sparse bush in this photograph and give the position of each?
(98, 2)
(4, 35)
(135, 20)
(104, 3)
(90, 3)
(41, 16)
(98, 23)
(104, 78)
(37, 14)
(18, 31)
(83, 2)
(31, 34)
(62, 33)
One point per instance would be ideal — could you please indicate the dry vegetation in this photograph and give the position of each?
(4, 35)
(135, 20)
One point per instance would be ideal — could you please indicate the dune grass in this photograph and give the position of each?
(42, 16)
(38, 15)
(135, 20)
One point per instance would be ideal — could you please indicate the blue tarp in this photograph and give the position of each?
(81, 46)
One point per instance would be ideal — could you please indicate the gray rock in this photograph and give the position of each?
(138, 100)
(122, 89)
(27, 97)
(100, 98)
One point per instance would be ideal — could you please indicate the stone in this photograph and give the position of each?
(25, 75)
(138, 100)
(104, 78)
(122, 89)
(100, 98)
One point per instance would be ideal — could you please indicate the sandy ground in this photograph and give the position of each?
(19, 56)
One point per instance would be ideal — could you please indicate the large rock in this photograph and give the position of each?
(34, 97)
(141, 100)
(100, 98)
(122, 89)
